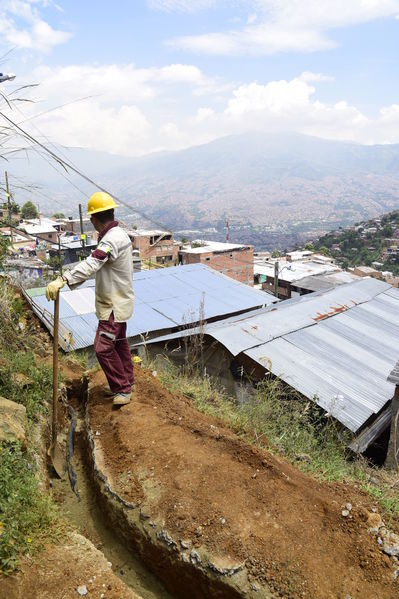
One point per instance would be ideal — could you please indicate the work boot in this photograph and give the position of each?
(111, 394)
(121, 399)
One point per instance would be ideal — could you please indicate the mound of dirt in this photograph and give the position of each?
(212, 490)
(69, 570)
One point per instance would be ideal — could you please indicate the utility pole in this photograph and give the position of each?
(9, 210)
(59, 253)
(276, 266)
(82, 234)
(227, 229)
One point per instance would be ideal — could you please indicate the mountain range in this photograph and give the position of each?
(263, 183)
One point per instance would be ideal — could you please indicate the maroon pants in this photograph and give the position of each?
(113, 353)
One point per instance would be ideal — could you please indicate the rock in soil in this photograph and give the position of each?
(13, 421)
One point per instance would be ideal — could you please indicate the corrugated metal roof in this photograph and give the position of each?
(164, 300)
(337, 346)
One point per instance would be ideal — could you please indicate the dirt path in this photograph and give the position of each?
(228, 499)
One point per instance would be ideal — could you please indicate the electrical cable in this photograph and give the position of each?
(67, 164)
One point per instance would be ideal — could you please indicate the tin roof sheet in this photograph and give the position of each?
(337, 347)
(164, 300)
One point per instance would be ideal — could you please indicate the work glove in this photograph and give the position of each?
(53, 288)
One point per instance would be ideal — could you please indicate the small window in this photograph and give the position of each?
(207, 258)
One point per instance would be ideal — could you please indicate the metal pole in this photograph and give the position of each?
(276, 278)
(59, 254)
(9, 210)
(82, 234)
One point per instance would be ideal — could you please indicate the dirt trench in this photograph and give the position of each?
(171, 491)
(213, 516)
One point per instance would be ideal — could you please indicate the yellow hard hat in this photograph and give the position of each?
(99, 202)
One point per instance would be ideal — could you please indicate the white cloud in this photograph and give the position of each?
(288, 26)
(289, 106)
(203, 114)
(22, 26)
(276, 97)
(92, 125)
(134, 111)
(308, 76)
(122, 109)
(180, 5)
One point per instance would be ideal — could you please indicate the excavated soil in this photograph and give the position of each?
(218, 494)
(61, 569)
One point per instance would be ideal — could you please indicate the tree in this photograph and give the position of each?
(324, 251)
(58, 215)
(29, 210)
(15, 209)
(309, 247)
(275, 254)
(387, 230)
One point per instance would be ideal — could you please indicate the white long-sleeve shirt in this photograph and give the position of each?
(112, 263)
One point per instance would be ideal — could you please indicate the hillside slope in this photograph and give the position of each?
(210, 492)
(255, 179)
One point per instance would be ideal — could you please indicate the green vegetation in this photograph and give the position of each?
(357, 246)
(58, 215)
(26, 513)
(32, 389)
(4, 245)
(276, 418)
(55, 262)
(29, 210)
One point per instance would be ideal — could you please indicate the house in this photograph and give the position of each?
(44, 229)
(72, 225)
(20, 241)
(366, 271)
(155, 246)
(71, 248)
(335, 347)
(290, 274)
(233, 260)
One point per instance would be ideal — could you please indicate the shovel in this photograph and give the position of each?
(55, 452)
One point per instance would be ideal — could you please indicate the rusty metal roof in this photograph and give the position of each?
(337, 346)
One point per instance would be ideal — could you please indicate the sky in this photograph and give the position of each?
(140, 76)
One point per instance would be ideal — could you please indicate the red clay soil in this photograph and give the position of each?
(210, 487)
(59, 570)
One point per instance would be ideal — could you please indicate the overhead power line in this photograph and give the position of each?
(66, 164)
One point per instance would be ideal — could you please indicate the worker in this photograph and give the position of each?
(112, 264)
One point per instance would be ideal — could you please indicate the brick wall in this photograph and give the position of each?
(237, 264)
(163, 251)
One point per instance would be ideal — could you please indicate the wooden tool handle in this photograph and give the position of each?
(55, 365)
